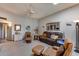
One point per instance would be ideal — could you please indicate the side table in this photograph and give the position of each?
(36, 37)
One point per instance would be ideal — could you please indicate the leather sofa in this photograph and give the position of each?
(46, 37)
(68, 45)
(40, 50)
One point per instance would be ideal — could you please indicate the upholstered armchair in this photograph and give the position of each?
(28, 37)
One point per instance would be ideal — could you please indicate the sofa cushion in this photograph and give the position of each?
(60, 49)
(55, 47)
(53, 51)
(49, 52)
(54, 37)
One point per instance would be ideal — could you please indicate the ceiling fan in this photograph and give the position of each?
(29, 10)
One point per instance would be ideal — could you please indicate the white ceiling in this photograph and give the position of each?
(41, 9)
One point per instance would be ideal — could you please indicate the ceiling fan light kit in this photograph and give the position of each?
(29, 10)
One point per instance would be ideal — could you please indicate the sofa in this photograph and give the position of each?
(50, 51)
(46, 37)
(68, 45)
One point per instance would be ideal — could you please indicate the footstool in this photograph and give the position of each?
(37, 50)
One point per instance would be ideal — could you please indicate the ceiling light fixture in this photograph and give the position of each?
(29, 10)
(55, 3)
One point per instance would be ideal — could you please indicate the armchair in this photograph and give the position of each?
(28, 37)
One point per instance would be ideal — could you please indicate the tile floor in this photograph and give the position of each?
(20, 48)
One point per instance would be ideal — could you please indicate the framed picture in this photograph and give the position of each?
(17, 27)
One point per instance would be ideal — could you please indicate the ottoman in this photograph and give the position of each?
(37, 50)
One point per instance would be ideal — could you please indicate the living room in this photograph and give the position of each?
(30, 25)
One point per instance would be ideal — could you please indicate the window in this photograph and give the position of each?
(53, 26)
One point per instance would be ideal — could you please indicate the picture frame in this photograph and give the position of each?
(17, 27)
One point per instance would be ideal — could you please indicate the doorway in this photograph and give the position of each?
(5, 32)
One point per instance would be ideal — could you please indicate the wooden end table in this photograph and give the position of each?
(36, 37)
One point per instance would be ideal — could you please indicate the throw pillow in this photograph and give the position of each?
(54, 37)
